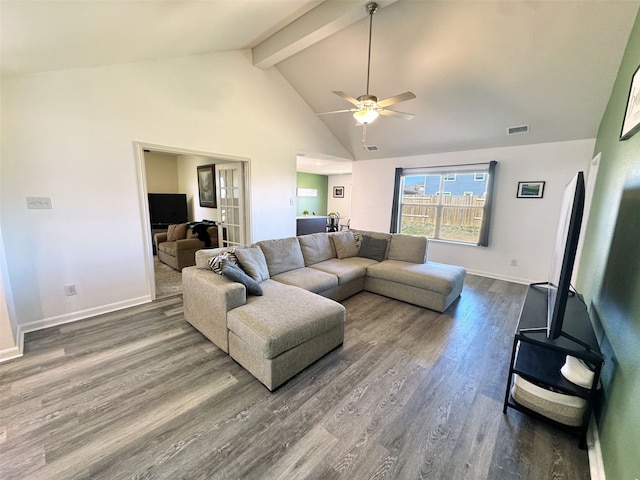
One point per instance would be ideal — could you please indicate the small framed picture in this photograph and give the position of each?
(338, 192)
(631, 122)
(530, 189)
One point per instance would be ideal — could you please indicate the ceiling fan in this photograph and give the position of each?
(368, 107)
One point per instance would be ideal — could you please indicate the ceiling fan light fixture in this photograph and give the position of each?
(365, 115)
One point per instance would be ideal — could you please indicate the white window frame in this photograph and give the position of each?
(446, 174)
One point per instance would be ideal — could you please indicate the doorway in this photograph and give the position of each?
(187, 162)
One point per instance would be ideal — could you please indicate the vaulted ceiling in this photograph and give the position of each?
(476, 68)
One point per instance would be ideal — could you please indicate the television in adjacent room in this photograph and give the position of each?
(564, 254)
(167, 209)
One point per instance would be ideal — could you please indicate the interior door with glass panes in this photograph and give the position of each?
(231, 204)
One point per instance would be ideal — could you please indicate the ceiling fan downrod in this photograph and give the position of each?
(372, 8)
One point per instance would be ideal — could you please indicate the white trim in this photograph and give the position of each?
(10, 354)
(596, 465)
(79, 315)
(143, 202)
(506, 278)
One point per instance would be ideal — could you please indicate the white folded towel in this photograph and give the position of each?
(577, 372)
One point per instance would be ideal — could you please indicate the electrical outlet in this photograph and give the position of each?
(514, 262)
(70, 289)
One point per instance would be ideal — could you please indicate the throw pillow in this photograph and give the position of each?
(253, 263)
(373, 248)
(215, 263)
(358, 238)
(345, 244)
(235, 273)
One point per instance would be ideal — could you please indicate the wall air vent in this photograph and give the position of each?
(520, 129)
(371, 148)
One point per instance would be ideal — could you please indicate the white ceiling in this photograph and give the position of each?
(475, 67)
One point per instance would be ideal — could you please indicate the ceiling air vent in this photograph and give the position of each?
(371, 148)
(520, 129)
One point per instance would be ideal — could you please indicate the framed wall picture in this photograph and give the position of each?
(530, 189)
(338, 192)
(631, 122)
(207, 185)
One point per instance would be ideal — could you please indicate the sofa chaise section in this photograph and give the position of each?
(277, 335)
(430, 285)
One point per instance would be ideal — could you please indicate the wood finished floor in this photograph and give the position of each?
(412, 394)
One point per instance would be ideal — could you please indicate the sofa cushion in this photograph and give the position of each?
(433, 276)
(408, 248)
(253, 262)
(168, 247)
(283, 318)
(316, 247)
(235, 273)
(373, 248)
(282, 254)
(347, 269)
(177, 232)
(345, 244)
(308, 278)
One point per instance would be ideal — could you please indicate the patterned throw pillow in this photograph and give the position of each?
(215, 263)
(358, 238)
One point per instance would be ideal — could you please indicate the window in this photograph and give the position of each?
(461, 213)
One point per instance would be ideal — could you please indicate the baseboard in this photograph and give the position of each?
(506, 278)
(80, 315)
(596, 465)
(10, 353)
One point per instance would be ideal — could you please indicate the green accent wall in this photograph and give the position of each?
(610, 276)
(313, 204)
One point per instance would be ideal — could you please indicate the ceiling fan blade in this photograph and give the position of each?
(387, 102)
(337, 111)
(393, 113)
(348, 98)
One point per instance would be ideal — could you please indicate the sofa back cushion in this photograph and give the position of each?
(316, 248)
(282, 254)
(408, 248)
(345, 244)
(177, 232)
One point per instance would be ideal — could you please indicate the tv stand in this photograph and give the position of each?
(538, 359)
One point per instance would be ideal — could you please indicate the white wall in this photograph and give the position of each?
(521, 229)
(69, 135)
(341, 205)
(188, 183)
(162, 173)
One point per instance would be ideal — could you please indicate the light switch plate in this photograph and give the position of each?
(39, 203)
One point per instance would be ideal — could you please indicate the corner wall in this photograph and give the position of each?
(522, 229)
(610, 276)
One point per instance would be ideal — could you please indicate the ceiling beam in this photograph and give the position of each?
(326, 19)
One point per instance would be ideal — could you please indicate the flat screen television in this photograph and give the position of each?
(167, 208)
(564, 254)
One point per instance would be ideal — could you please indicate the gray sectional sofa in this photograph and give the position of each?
(295, 318)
